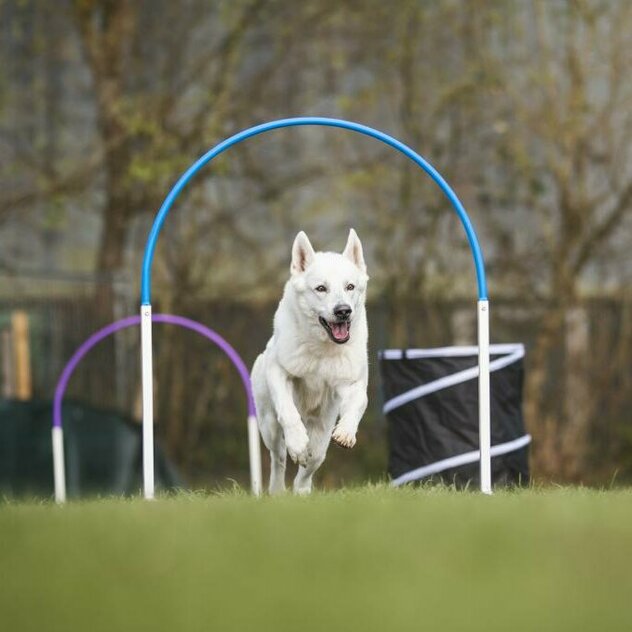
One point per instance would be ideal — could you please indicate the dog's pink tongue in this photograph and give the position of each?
(340, 330)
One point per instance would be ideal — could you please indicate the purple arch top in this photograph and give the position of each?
(132, 321)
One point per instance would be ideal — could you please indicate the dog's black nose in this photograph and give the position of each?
(342, 311)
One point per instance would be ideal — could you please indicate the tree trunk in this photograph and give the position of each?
(107, 29)
(539, 418)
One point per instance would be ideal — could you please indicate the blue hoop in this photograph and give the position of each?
(300, 121)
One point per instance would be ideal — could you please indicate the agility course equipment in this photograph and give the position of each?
(482, 304)
(432, 429)
(132, 321)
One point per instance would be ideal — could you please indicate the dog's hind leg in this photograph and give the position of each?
(303, 480)
(272, 435)
(278, 457)
(271, 431)
(319, 431)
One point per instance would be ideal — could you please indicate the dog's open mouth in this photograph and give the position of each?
(338, 331)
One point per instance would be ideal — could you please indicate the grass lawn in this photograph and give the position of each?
(371, 558)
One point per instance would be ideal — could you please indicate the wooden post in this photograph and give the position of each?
(8, 374)
(21, 347)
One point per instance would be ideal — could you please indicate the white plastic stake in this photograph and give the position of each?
(484, 412)
(254, 450)
(59, 474)
(148, 401)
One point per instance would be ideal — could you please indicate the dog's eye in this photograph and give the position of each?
(350, 287)
(321, 288)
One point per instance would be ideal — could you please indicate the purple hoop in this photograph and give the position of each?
(131, 321)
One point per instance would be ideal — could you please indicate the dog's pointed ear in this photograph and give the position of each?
(302, 254)
(353, 250)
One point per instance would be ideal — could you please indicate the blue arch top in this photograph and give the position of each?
(295, 122)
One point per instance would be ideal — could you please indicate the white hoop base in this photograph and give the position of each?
(484, 412)
(254, 451)
(148, 402)
(59, 474)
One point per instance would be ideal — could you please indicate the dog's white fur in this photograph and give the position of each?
(304, 382)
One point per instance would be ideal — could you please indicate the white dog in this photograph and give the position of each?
(314, 370)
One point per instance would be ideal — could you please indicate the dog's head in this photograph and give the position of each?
(331, 286)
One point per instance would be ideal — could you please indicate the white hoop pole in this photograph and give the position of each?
(484, 411)
(254, 452)
(148, 401)
(59, 474)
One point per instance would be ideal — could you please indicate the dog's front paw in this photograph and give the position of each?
(296, 442)
(343, 437)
